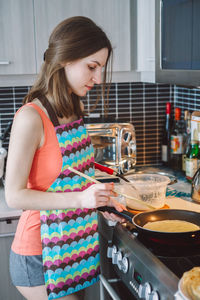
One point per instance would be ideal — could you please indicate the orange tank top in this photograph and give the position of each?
(46, 167)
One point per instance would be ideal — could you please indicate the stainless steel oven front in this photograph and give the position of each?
(114, 145)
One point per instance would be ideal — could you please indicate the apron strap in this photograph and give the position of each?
(52, 115)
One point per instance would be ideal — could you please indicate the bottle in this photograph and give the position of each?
(177, 142)
(192, 160)
(166, 136)
(186, 137)
(195, 191)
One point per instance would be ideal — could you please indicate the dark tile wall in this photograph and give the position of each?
(142, 104)
(10, 102)
(187, 99)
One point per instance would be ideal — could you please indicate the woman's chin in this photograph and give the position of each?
(80, 93)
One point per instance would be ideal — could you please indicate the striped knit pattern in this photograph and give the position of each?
(70, 240)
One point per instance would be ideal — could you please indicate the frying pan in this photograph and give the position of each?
(168, 238)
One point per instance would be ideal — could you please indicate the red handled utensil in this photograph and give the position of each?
(109, 171)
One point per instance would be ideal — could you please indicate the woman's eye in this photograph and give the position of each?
(91, 68)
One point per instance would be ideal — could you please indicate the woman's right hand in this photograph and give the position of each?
(97, 195)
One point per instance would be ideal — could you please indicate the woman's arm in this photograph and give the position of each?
(26, 137)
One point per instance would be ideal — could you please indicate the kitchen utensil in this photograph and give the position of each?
(151, 188)
(109, 171)
(116, 189)
(124, 188)
(183, 239)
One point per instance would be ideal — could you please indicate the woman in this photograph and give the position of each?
(55, 249)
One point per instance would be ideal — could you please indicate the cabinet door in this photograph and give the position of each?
(7, 290)
(180, 34)
(177, 34)
(145, 26)
(195, 36)
(113, 16)
(17, 50)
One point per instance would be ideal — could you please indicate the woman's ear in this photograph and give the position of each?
(64, 64)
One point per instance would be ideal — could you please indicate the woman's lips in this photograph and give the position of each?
(89, 87)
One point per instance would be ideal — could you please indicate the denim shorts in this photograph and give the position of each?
(26, 270)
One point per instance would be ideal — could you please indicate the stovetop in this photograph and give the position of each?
(155, 271)
(146, 272)
(179, 265)
(177, 259)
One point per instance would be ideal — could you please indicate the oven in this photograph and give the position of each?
(114, 145)
(111, 285)
(132, 268)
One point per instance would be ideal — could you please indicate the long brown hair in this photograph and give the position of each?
(72, 39)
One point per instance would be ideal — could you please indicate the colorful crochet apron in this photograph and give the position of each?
(70, 240)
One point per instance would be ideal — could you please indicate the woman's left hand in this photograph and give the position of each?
(111, 216)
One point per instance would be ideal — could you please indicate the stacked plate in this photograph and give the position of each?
(189, 284)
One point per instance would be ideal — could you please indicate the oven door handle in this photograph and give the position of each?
(109, 289)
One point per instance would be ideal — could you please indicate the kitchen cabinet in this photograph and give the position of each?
(113, 16)
(129, 25)
(17, 51)
(27, 25)
(177, 42)
(7, 231)
(180, 34)
(143, 36)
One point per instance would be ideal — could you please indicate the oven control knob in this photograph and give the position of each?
(116, 258)
(109, 252)
(125, 264)
(114, 255)
(153, 296)
(119, 260)
(144, 290)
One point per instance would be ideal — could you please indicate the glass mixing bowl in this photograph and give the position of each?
(150, 188)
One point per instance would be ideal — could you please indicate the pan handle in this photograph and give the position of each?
(124, 213)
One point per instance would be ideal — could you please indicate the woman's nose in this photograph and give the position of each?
(97, 78)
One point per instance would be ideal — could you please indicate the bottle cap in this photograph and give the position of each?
(168, 108)
(177, 113)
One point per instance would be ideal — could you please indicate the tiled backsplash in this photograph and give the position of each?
(142, 104)
(187, 98)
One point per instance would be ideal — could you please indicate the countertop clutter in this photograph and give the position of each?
(151, 265)
(178, 194)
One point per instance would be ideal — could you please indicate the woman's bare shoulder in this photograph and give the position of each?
(28, 117)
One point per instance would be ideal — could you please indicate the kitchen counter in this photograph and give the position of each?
(178, 194)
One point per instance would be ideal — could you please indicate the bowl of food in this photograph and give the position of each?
(150, 189)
